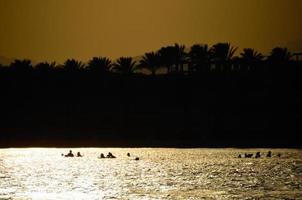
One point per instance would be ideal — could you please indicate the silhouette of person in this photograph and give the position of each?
(248, 155)
(70, 154)
(79, 154)
(128, 154)
(269, 154)
(110, 155)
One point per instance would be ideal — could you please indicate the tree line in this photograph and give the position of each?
(176, 96)
(175, 59)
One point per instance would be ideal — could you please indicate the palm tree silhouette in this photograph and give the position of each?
(277, 60)
(222, 54)
(250, 58)
(124, 65)
(99, 65)
(21, 66)
(151, 62)
(279, 55)
(199, 58)
(45, 67)
(180, 57)
(72, 65)
(173, 57)
(167, 57)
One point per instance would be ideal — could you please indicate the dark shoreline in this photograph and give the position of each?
(141, 144)
(220, 103)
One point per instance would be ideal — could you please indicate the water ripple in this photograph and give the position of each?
(159, 174)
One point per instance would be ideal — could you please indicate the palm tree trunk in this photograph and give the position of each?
(181, 68)
(153, 71)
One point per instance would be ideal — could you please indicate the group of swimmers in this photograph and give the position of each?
(70, 154)
(109, 155)
(257, 155)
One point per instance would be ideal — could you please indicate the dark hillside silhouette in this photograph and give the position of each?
(208, 97)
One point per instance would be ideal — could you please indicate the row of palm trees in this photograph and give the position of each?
(175, 59)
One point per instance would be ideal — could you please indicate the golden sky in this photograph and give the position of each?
(80, 29)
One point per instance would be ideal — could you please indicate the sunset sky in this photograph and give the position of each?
(60, 29)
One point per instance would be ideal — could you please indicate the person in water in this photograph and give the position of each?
(128, 154)
(70, 154)
(269, 154)
(248, 155)
(110, 155)
(102, 155)
(79, 154)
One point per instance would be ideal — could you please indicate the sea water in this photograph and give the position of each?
(42, 173)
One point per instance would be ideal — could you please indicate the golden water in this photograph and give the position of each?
(42, 173)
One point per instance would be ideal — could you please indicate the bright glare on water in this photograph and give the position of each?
(159, 174)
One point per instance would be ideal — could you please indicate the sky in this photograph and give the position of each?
(54, 30)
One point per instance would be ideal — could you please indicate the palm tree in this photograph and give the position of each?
(72, 65)
(277, 60)
(180, 57)
(250, 58)
(173, 57)
(199, 58)
(21, 66)
(99, 65)
(167, 57)
(124, 65)
(45, 67)
(222, 54)
(279, 55)
(151, 62)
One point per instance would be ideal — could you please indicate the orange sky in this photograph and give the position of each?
(60, 29)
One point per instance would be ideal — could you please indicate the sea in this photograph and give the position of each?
(150, 173)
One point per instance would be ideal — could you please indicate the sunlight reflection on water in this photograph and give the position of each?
(42, 173)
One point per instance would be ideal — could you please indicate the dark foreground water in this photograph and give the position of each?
(159, 174)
